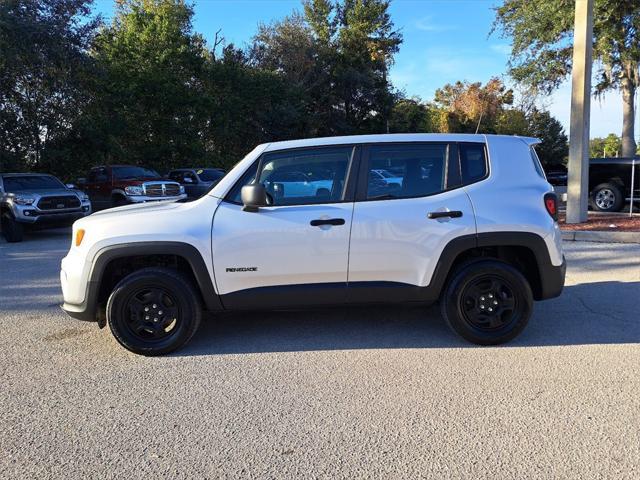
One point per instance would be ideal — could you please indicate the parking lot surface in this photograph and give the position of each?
(376, 393)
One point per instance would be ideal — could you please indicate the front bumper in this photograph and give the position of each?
(77, 289)
(144, 198)
(30, 215)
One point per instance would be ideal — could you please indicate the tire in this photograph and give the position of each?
(167, 296)
(118, 201)
(487, 302)
(11, 230)
(607, 197)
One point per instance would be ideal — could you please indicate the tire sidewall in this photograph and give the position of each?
(617, 204)
(184, 296)
(452, 302)
(11, 230)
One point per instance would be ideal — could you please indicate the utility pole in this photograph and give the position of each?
(578, 184)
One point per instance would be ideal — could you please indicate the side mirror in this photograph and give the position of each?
(70, 186)
(187, 180)
(253, 197)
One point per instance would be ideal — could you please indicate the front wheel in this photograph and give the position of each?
(11, 230)
(487, 302)
(154, 311)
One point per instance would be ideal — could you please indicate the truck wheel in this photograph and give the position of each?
(153, 311)
(11, 230)
(118, 201)
(607, 197)
(487, 302)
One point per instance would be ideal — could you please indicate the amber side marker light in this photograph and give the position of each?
(79, 236)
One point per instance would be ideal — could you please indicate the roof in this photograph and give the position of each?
(392, 137)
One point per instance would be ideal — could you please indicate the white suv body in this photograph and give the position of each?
(459, 200)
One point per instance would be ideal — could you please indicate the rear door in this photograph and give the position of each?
(402, 224)
(294, 251)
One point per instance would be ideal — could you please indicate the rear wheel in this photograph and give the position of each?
(11, 230)
(154, 311)
(487, 302)
(607, 197)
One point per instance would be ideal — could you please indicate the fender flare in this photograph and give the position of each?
(87, 310)
(551, 276)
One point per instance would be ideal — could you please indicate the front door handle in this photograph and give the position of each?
(450, 214)
(328, 221)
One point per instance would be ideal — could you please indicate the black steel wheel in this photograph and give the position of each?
(487, 302)
(153, 311)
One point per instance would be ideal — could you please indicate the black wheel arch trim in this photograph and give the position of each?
(88, 309)
(551, 278)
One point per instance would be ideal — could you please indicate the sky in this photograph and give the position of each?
(444, 41)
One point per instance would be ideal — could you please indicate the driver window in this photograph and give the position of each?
(304, 177)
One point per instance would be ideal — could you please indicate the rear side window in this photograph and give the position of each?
(405, 171)
(536, 163)
(473, 162)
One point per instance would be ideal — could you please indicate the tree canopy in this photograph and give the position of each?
(146, 89)
(542, 33)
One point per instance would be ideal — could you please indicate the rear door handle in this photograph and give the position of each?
(328, 221)
(450, 214)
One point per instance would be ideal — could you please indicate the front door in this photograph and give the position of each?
(407, 209)
(294, 251)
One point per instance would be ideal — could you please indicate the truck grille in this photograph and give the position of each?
(157, 190)
(58, 203)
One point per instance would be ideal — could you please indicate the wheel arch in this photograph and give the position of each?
(525, 251)
(113, 263)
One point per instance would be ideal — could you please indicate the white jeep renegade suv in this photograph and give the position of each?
(468, 220)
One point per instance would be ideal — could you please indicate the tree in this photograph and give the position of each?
(337, 55)
(151, 105)
(542, 32)
(512, 122)
(610, 146)
(44, 70)
(249, 106)
(472, 106)
(554, 148)
(410, 115)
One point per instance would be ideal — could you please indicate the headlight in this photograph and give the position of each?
(84, 197)
(134, 190)
(181, 189)
(20, 200)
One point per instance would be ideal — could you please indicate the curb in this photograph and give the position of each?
(604, 237)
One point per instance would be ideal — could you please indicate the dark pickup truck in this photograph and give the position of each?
(610, 182)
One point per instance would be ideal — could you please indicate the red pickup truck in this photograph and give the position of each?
(116, 185)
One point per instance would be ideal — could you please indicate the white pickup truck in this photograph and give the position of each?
(470, 221)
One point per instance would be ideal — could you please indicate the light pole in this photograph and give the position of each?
(578, 182)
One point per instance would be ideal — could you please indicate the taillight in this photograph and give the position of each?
(551, 204)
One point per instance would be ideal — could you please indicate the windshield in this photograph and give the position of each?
(210, 175)
(31, 182)
(122, 173)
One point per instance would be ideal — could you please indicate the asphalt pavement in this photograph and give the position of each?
(345, 393)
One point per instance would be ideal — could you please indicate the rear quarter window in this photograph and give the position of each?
(536, 162)
(473, 162)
